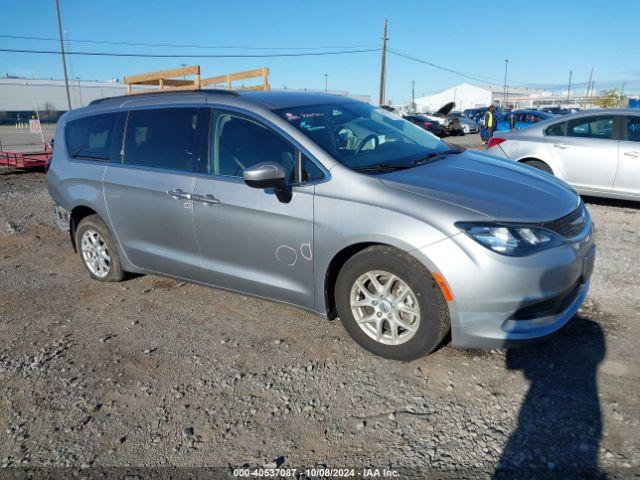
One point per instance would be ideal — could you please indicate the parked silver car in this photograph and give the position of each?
(468, 125)
(326, 203)
(598, 152)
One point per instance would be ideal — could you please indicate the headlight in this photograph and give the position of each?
(511, 240)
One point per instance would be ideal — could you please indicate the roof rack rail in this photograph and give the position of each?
(166, 92)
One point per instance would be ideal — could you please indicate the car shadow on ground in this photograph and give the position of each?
(611, 202)
(559, 424)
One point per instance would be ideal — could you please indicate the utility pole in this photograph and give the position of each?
(569, 88)
(64, 62)
(413, 95)
(504, 92)
(589, 85)
(383, 66)
(326, 77)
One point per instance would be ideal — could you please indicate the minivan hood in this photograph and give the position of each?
(500, 189)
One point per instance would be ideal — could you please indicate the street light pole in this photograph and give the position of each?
(79, 90)
(504, 92)
(569, 89)
(64, 62)
(326, 77)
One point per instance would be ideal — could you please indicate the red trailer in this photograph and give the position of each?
(27, 160)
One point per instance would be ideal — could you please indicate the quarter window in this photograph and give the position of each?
(162, 138)
(633, 129)
(90, 137)
(556, 130)
(591, 127)
(310, 171)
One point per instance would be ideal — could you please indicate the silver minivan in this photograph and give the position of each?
(326, 203)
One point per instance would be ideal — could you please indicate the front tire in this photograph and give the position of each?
(390, 304)
(98, 251)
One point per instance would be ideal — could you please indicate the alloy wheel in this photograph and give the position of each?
(385, 307)
(95, 253)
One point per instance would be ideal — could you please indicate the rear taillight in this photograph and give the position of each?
(493, 141)
(427, 124)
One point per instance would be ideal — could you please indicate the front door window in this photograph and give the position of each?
(240, 143)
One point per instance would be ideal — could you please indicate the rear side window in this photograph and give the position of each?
(591, 127)
(633, 129)
(162, 138)
(89, 138)
(557, 130)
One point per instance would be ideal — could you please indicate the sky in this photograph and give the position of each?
(542, 39)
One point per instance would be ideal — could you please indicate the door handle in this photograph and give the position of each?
(561, 146)
(632, 153)
(177, 193)
(207, 198)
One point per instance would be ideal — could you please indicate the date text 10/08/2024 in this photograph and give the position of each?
(317, 472)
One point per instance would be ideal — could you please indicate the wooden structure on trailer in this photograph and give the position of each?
(170, 80)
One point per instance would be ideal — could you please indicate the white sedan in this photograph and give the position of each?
(597, 151)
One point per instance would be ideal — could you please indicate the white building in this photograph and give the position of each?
(464, 95)
(18, 94)
(468, 95)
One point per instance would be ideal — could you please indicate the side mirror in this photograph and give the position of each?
(269, 175)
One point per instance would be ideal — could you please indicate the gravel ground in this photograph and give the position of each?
(153, 372)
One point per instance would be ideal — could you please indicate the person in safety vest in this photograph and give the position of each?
(489, 123)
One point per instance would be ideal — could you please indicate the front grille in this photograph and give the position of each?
(570, 225)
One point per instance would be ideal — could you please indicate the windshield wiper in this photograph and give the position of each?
(436, 155)
(390, 167)
(383, 167)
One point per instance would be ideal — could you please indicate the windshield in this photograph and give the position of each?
(359, 135)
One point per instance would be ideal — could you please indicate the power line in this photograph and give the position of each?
(171, 45)
(440, 67)
(171, 55)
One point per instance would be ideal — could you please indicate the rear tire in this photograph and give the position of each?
(540, 165)
(407, 321)
(98, 251)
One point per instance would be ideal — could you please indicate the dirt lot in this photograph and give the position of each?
(153, 372)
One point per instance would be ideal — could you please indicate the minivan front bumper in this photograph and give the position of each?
(500, 301)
